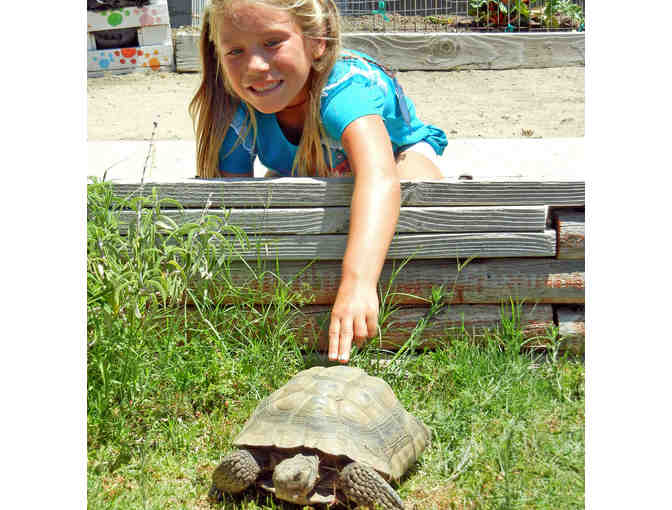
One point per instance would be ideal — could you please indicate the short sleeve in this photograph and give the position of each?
(355, 97)
(240, 160)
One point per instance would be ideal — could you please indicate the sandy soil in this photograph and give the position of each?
(542, 103)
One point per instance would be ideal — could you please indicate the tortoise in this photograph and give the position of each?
(327, 436)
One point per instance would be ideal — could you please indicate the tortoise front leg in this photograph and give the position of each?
(236, 473)
(366, 487)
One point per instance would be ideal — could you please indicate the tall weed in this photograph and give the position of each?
(156, 328)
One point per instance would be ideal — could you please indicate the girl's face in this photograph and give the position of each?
(265, 56)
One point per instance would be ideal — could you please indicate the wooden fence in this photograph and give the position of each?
(526, 238)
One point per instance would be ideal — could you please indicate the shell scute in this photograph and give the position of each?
(353, 413)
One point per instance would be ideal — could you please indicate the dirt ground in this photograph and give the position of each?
(537, 103)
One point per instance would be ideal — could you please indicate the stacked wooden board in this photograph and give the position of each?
(525, 236)
(129, 39)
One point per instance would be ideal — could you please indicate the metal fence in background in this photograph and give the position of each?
(197, 7)
(452, 15)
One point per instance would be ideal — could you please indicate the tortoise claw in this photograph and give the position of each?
(215, 495)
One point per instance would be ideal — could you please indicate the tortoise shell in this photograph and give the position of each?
(339, 410)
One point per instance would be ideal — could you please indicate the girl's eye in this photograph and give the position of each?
(234, 52)
(272, 42)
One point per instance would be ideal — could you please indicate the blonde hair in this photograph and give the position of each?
(214, 104)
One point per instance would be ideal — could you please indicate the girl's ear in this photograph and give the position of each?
(319, 47)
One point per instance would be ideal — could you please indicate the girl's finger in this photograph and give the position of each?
(361, 331)
(334, 338)
(345, 342)
(372, 324)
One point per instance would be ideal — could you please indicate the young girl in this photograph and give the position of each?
(277, 85)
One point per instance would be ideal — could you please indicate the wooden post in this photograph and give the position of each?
(571, 228)
(572, 328)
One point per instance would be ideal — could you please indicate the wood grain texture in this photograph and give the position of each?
(535, 321)
(321, 192)
(418, 246)
(408, 51)
(572, 327)
(187, 52)
(571, 228)
(157, 57)
(440, 51)
(336, 220)
(481, 281)
(126, 18)
(154, 34)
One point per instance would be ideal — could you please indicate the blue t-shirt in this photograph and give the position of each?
(355, 88)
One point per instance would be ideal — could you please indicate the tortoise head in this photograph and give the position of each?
(295, 477)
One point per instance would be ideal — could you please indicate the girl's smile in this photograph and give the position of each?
(266, 87)
(266, 57)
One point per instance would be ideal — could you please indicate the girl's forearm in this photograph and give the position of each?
(373, 217)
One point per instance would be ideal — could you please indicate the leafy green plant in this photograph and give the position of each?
(500, 12)
(137, 256)
(520, 12)
(567, 8)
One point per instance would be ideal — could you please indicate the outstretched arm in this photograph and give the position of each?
(374, 212)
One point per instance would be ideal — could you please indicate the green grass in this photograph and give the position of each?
(170, 385)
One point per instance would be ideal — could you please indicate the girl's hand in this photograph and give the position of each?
(354, 316)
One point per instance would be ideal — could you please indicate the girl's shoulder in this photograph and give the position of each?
(354, 67)
(350, 60)
(347, 55)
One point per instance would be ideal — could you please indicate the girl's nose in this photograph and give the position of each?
(258, 62)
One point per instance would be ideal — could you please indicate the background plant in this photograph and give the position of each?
(564, 8)
(501, 12)
(520, 12)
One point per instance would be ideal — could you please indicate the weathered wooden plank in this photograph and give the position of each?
(154, 34)
(130, 59)
(572, 327)
(449, 51)
(536, 322)
(187, 52)
(418, 246)
(440, 51)
(571, 228)
(320, 192)
(481, 281)
(336, 220)
(126, 17)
